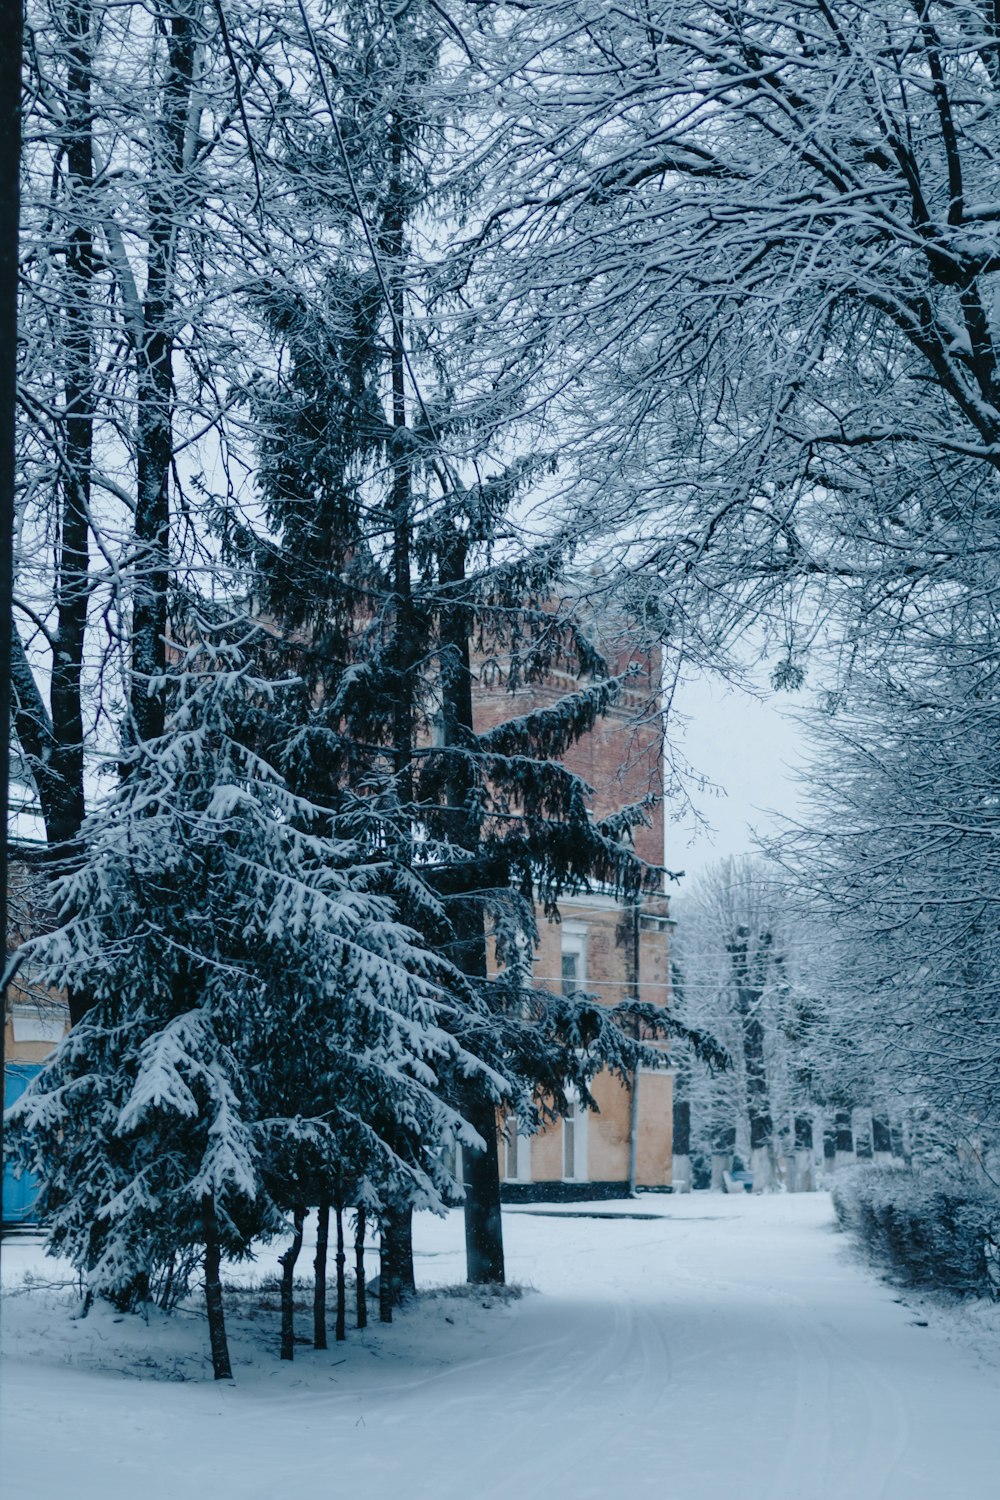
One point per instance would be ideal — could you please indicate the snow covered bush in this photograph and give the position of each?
(933, 1229)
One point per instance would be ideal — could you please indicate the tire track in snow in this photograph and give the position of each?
(571, 1450)
(811, 1463)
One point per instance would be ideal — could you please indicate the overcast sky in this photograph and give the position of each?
(750, 749)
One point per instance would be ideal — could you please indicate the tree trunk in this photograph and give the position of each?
(221, 1366)
(360, 1295)
(52, 741)
(829, 1145)
(72, 581)
(861, 1120)
(681, 1173)
(11, 27)
(168, 205)
(762, 1164)
(385, 1276)
(723, 1147)
(319, 1275)
(341, 1279)
(881, 1139)
(399, 1233)
(287, 1263)
(483, 1228)
(750, 980)
(844, 1138)
(802, 1181)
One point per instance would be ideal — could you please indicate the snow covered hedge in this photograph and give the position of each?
(927, 1229)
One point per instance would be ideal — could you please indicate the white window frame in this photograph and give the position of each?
(574, 943)
(39, 1021)
(522, 1154)
(581, 1159)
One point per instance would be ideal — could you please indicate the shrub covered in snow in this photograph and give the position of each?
(932, 1229)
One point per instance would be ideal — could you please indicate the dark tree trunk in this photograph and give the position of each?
(681, 1176)
(682, 1127)
(723, 1146)
(154, 385)
(361, 1304)
(341, 1278)
(483, 1228)
(407, 1277)
(385, 1276)
(319, 1275)
(11, 28)
(750, 976)
(399, 1236)
(844, 1136)
(761, 1125)
(799, 1162)
(287, 1263)
(52, 740)
(72, 582)
(221, 1366)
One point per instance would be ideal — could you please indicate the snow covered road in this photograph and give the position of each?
(718, 1349)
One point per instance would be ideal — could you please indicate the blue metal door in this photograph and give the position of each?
(19, 1193)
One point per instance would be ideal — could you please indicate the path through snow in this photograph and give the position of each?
(722, 1349)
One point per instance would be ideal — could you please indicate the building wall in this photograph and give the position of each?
(605, 931)
(622, 762)
(621, 759)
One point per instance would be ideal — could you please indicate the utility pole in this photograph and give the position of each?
(632, 948)
(11, 27)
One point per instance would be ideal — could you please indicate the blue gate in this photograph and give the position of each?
(19, 1193)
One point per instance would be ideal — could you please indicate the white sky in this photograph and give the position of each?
(749, 748)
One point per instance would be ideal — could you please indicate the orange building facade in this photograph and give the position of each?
(596, 948)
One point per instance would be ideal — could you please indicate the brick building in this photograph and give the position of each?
(597, 947)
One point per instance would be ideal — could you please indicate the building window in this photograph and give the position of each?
(517, 1151)
(574, 1141)
(574, 960)
(42, 1021)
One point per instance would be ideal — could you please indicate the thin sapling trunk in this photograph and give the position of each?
(385, 1276)
(341, 1287)
(319, 1282)
(221, 1366)
(359, 1271)
(287, 1262)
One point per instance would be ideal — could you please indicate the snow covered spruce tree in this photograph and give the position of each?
(228, 938)
(396, 570)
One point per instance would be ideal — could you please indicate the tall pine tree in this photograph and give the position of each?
(393, 574)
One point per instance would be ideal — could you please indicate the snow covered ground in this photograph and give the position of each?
(712, 1349)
